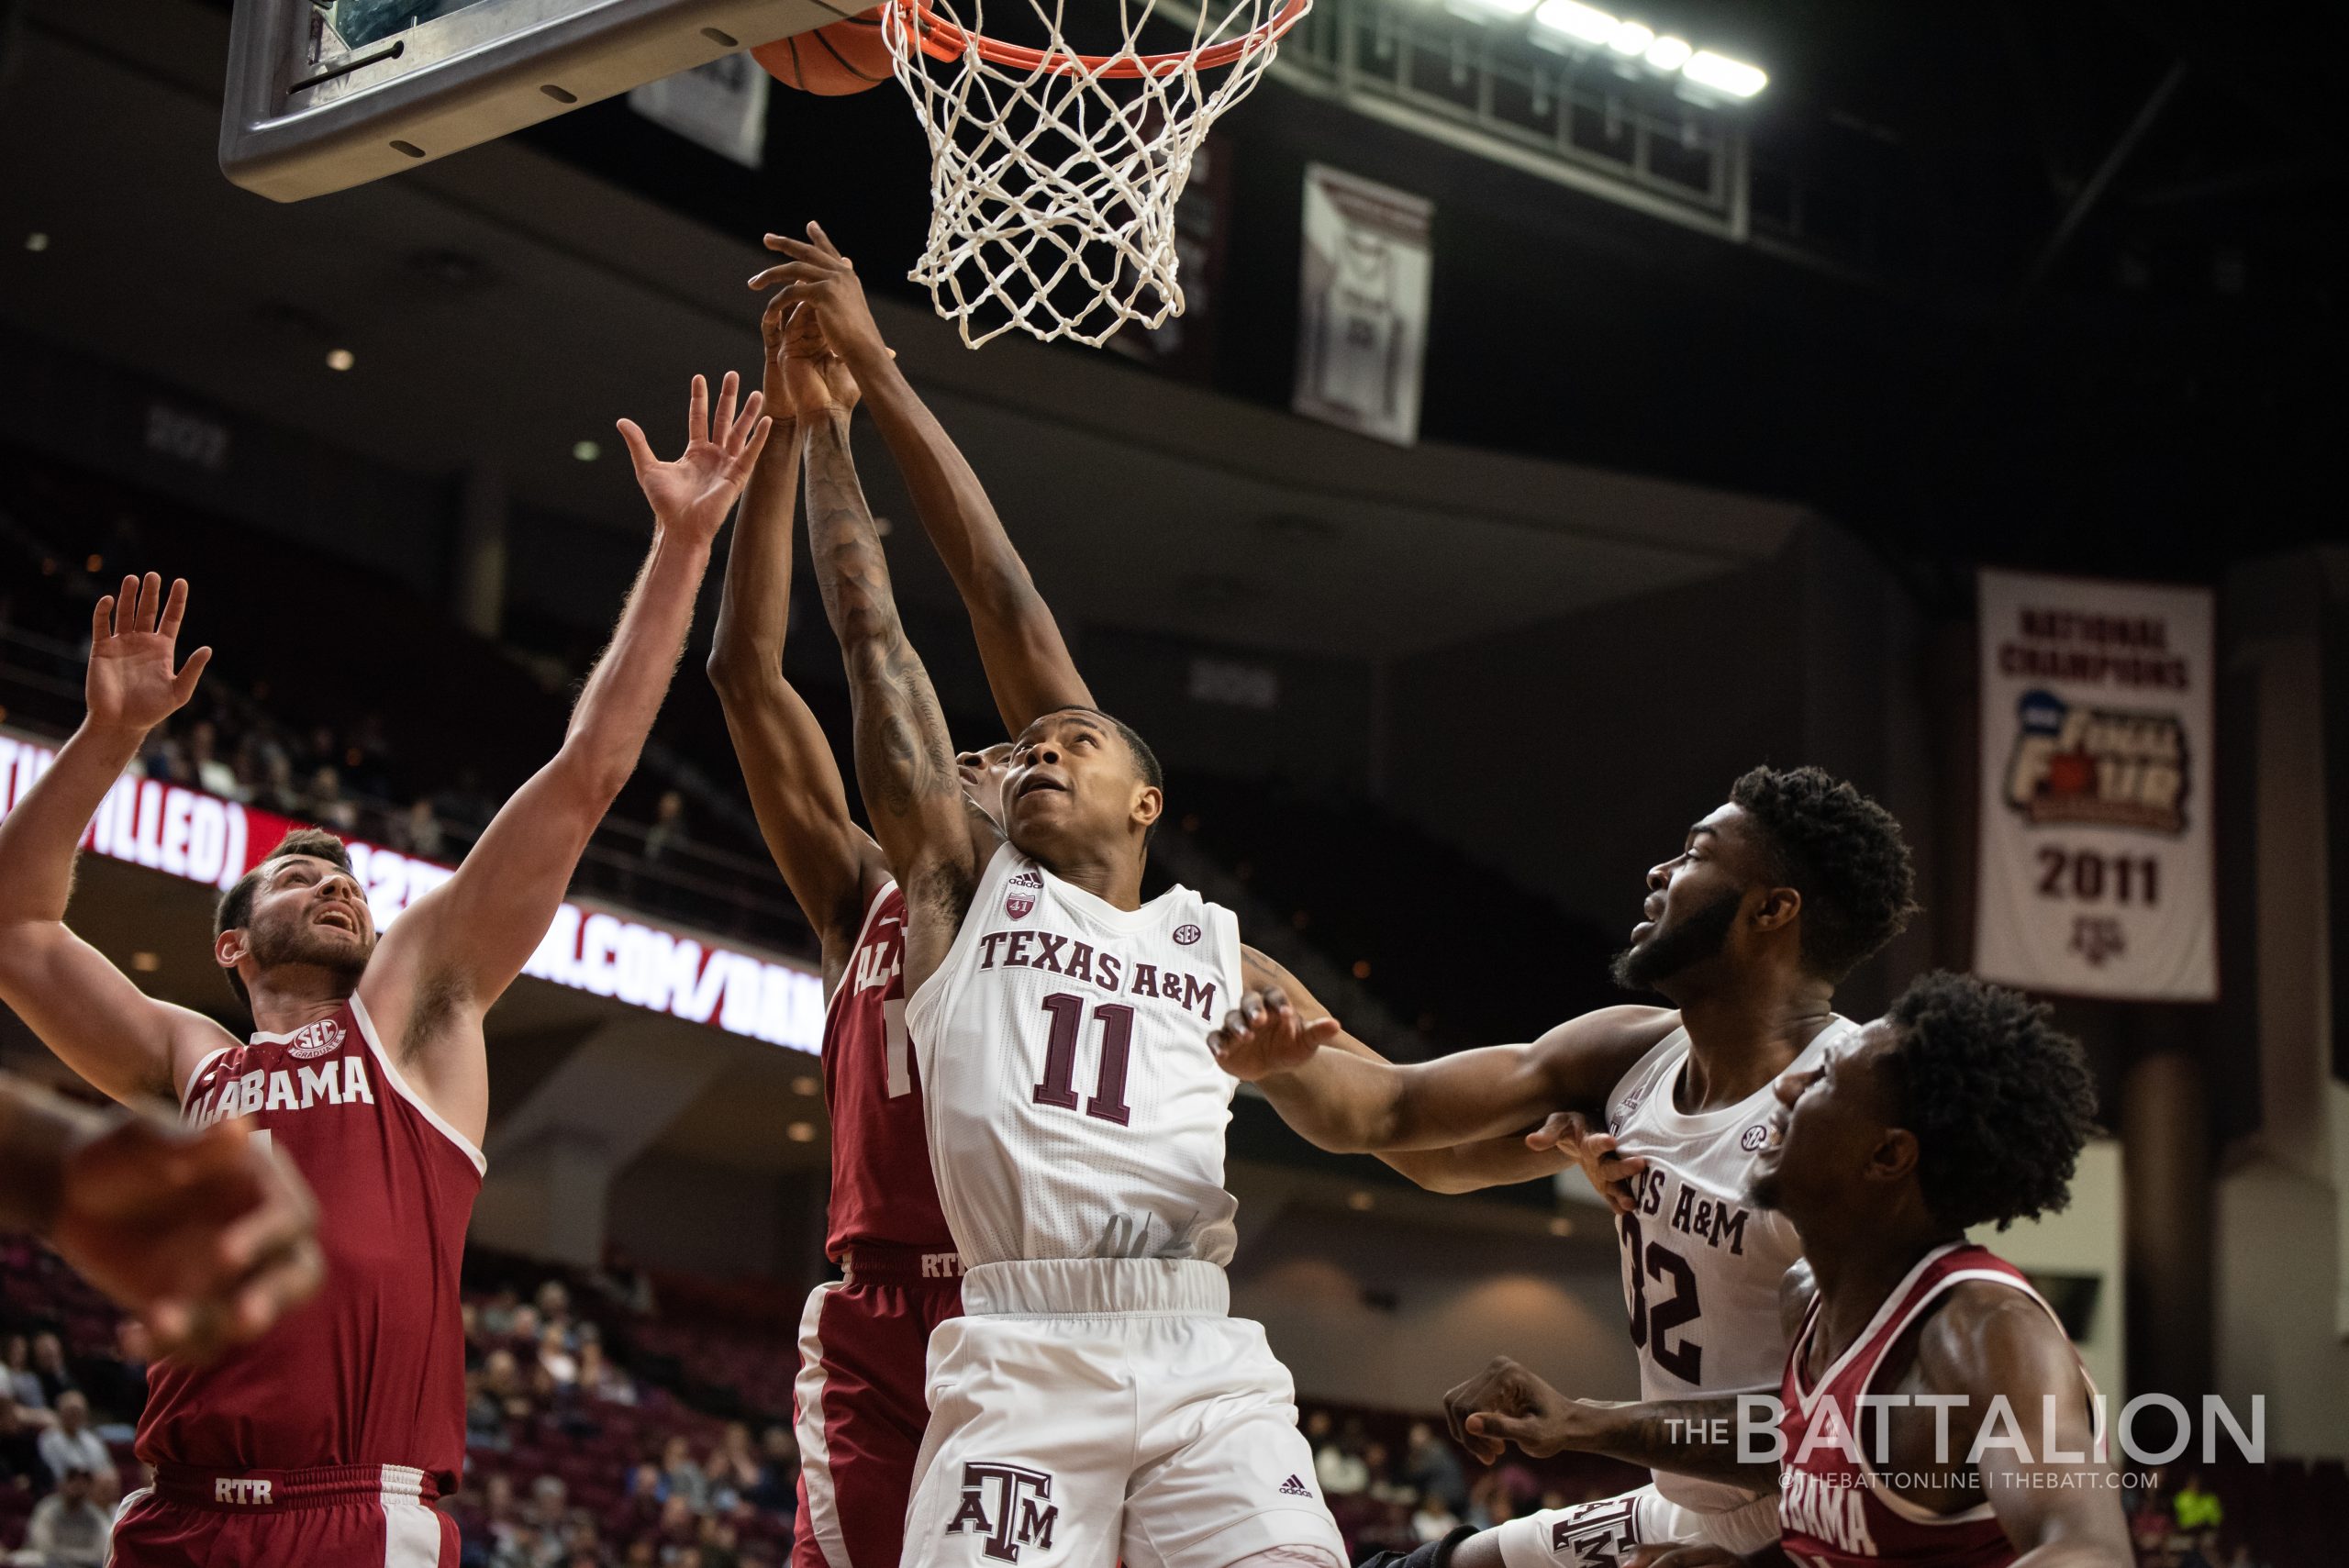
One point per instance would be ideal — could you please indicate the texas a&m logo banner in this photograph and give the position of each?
(2095, 876)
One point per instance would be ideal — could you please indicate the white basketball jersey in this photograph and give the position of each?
(1701, 1264)
(1074, 1109)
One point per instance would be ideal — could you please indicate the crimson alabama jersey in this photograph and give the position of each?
(1835, 1511)
(883, 1192)
(371, 1370)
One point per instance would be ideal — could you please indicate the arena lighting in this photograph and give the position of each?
(1575, 20)
(1571, 22)
(1669, 53)
(1561, 1226)
(340, 359)
(801, 1132)
(1476, 10)
(1723, 74)
(36, 242)
(587, 451)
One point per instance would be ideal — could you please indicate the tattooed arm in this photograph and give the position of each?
(1506, 1404)
(1026, 660)
(936, 842)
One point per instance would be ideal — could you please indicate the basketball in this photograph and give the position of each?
(835, 60)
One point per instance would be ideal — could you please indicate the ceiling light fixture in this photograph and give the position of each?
(340, 359)
(36, 240)
(1574, 25)
(587, 451)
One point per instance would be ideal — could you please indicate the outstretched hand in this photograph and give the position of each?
(134, 637)
(1265, 1036)
(209, 1236)
(818, 278)
(692, 494)
(1609, 1173)
(1506, 1404)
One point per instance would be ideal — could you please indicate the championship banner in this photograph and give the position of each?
(2096, 861)
(1363, 317)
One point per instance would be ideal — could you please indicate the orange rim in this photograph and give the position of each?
(941, 40)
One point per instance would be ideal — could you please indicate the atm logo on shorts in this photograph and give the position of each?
(1010, 1504)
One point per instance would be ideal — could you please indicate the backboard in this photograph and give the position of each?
(323, 94)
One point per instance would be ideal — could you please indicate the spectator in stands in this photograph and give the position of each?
(328, 807)
(31, 1397)
(501, 1380)
(71, 1445)
(117, 1383)
(555, 1358)
(416, 831)
(779, 1474)
(734, 1469)
(1430, 1466)
(524, 1330)
(160, 757)
(49, 1365)
(1384, 1487)
(667, 834)
(553, 1302)
(1492, 1501)
(212, 773)
(1433, 1520)
(496, 1317)
(637, 1513)
(719, 1544)
(70, 1528)
(599, 1377)
(20, 1461)
(2196, 1508)
(1338, 1465)
(277, 791)
(682, 1478)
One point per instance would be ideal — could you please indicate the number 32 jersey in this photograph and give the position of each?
(1075, 1108)
(1701, 1264)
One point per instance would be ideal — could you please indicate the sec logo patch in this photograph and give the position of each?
(1186, 935)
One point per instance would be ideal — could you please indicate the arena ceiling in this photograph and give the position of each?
(503, 305)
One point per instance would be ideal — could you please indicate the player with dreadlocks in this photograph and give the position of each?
(1774, 896)
(1960, 1107)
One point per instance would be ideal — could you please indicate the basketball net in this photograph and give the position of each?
(1053, 175)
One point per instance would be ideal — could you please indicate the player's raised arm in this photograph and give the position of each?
(1026, 660)
(458, 947)
(830, 864)
(935, 841)
(82, 1006)
(1345, 1098)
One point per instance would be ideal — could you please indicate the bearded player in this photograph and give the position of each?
(1096, 1400)
(1773, 897)
(1960, 1107)
(326, 1442)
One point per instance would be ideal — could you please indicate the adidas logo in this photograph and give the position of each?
(1293, 1488)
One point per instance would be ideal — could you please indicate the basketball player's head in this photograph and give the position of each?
(1796, 868)
(300, 906)
(1081, 785)
(983, 774)
(1961, 1106)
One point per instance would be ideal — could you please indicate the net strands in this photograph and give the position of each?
(1055, 173)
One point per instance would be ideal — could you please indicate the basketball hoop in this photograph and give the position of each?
(1055, 173)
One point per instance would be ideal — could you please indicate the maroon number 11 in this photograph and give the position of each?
(1108, 1100)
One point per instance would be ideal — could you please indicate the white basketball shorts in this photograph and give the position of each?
(1601, 1534)
(1093, 1411)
